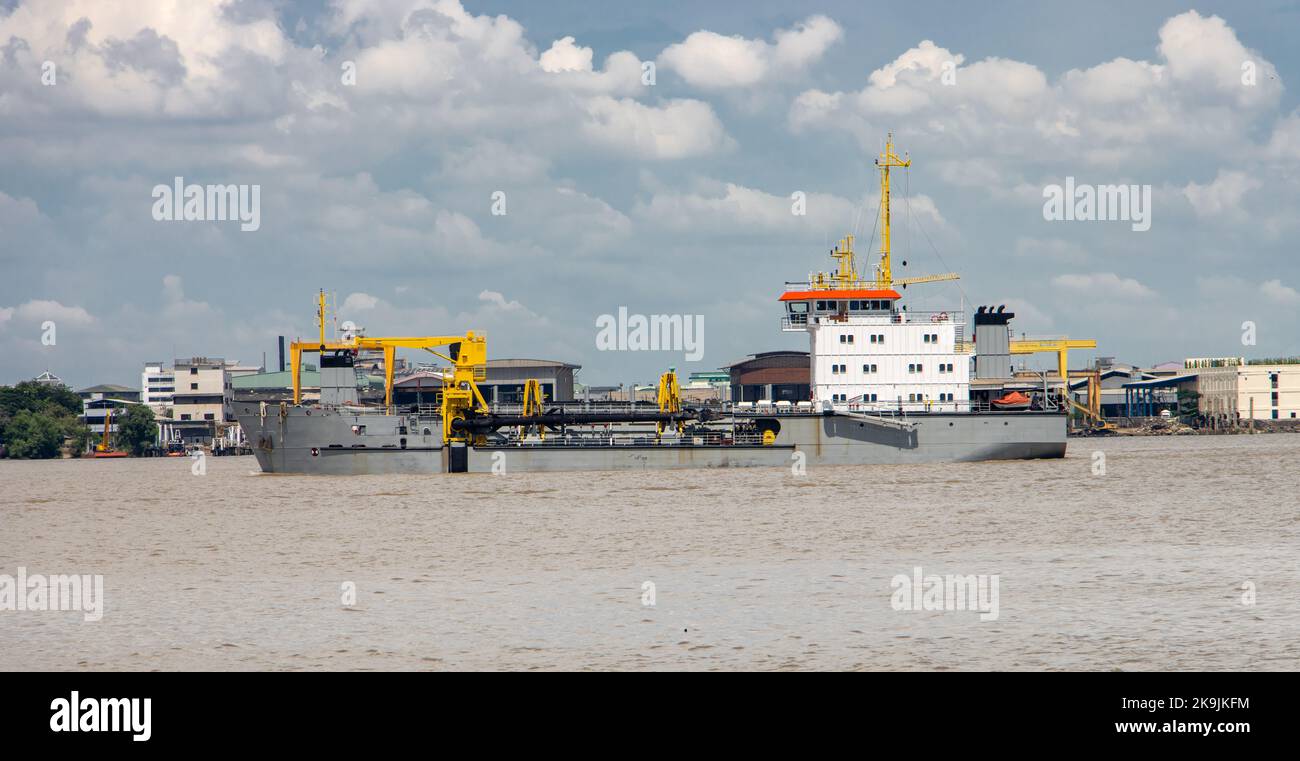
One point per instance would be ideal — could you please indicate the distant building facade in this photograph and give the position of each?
(201, 411)
(1245, 391)
(99, 402)
(157, 385)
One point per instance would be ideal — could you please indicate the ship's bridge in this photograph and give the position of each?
(804, 303)
(806, 307)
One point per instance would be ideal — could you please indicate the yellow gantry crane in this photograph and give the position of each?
(1061, 346)
(467, 355)
(1092, 412)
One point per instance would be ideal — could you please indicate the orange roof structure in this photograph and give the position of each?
(888, 293)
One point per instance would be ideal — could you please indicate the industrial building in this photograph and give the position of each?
(157, 384)
(1233, 389)
(97, 402)
(506, 378)
(771, 375)
(275, 386)
(201, 411)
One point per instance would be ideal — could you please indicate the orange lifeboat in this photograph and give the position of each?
(1013, 400)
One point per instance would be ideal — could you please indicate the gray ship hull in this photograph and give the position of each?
(340, 442)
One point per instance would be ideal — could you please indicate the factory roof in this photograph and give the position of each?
(1172, 380)
(530, 363)
(108, 388)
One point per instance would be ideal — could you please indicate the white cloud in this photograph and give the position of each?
(1278, 293)
(1205, 55)
(678, 129)
(713, 61)
(39, 310)
(566, 56)
(1191, 98)
(497, 300)
(124, 58)
(927, 58)
(358, 302)
(1285, 141)
(1221, 196)
(571, 67)
(736, 209)
(492, 162)
(1103, 286)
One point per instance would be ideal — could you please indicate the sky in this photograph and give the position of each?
(385, 138)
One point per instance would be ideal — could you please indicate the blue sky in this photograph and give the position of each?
(664, 199)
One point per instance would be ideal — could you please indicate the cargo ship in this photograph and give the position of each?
(887, 385)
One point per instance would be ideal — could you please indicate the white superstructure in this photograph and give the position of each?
(866, 349)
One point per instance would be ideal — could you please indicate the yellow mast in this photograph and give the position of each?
(320, 315)
(887, 160)
(846, 275)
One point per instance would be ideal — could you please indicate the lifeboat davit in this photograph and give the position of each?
(1012, 401)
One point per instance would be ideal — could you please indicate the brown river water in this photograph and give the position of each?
(1183, 554)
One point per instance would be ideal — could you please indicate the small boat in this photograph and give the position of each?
(1013, 400)
(111, 453)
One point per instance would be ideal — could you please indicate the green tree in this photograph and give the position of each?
(30, 395)
(136, 430)
(76, 434)
(34, 435)
(52, 404)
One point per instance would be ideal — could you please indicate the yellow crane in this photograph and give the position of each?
(105, 446)
(533, 399)
(669, 397)
(1061, 347)
(1092, 412)
(467, 354)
